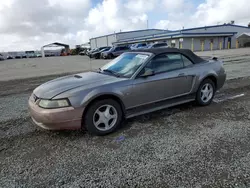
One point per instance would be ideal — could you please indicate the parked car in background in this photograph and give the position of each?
(19, 56)
(115, 52)
(90, 51)
(30, 54)
(1, 57)
(38, 54)
(97, 50)
(83, 52)
(138, 46)
(9, 56)
(97, 55)
(158, 45)
(136, 83)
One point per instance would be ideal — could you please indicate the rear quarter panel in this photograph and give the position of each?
(210, 68)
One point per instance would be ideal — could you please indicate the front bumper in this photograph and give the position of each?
(55, 119)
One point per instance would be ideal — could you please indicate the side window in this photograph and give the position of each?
(155, 45)
(117, 48)
(160, 45)
(165, 62)
(123, 48)
(186, 61)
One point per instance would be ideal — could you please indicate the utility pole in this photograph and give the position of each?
(147, 24)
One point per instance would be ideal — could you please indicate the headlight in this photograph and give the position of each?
(44, 103)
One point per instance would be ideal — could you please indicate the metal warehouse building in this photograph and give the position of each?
(109, 40)
(197, 39)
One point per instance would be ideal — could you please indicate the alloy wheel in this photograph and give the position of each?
(207, 92)
(105, 117)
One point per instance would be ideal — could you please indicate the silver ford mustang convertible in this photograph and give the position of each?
(134, 83)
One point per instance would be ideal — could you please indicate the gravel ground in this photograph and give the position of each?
(184, 146)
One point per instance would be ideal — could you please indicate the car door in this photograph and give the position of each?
(123, 49)
(116, 51)
(169, 80)
(160, 45)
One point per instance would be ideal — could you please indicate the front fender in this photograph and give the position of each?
(96, 93)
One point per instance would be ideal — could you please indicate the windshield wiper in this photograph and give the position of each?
(112, 72)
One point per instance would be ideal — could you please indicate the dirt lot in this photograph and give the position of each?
(236, 63)
(185, 146)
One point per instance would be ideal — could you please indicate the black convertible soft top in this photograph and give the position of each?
(188, 53)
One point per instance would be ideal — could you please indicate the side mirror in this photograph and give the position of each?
(147, 72)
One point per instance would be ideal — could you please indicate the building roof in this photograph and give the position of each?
(212, 26)
(55, 44)
(173, 35)
(243, 35)
(184, 33)
(156, 51)
(129, 32)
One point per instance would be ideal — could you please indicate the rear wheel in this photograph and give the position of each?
(103, 117)
(205, 93)
(110, 56)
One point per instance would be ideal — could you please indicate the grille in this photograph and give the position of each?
(35, 98)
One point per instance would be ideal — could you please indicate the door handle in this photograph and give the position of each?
(181, 74)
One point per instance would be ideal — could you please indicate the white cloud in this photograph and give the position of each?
(173, 5)
(29, 24)
(169, 25)
(29, 21)
(214, 11)
(162, 24)
(113, 16)
(140, 6)
(211, 12)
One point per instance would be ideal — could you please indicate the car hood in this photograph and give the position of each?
(57, 86)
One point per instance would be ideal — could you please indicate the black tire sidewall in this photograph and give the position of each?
(198, 94)
(88, 119)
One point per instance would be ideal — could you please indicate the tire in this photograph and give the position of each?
(110, 56)
(201, 99)
(92, 118)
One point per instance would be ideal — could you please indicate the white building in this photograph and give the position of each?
(197, 39)
(109, 40)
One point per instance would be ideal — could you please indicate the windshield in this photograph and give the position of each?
(111, 49)
(105, 49)
(126, 64)
(149, 46)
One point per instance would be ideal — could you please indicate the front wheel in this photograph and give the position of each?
(103, 117)
(205, 93)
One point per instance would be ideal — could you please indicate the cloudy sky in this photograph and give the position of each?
(29, 24)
